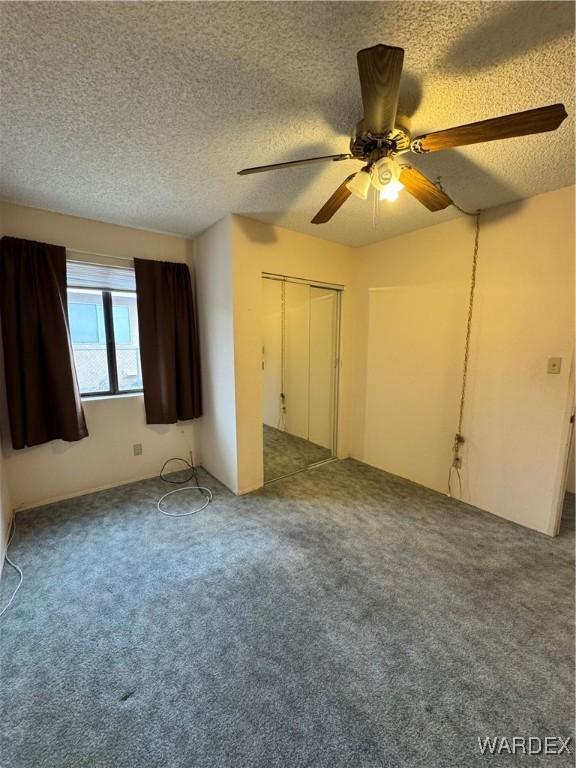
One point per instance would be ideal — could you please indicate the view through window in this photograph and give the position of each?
(104, 332)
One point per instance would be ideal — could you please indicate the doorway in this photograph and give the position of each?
(300, 366)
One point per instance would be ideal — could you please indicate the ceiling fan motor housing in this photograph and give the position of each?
(370, 147)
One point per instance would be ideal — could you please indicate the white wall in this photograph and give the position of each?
(412, 303)
(59, 469)
(217, 427)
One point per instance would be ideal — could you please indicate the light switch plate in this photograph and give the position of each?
(137, 447)
(554, 364)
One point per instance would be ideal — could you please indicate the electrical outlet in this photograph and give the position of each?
(554, 364)
(137, 448)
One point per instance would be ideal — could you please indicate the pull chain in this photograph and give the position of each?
(282, 415)
(459, 439)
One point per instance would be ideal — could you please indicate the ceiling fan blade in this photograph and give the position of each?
(380, 70)
(291, 163)
(333, 203)
(424, 190)
(506, 127)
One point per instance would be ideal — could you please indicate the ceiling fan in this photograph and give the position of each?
(379, 141)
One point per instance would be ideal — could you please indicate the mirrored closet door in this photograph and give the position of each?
(299, 373)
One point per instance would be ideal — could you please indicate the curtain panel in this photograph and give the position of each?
(169, 346)
(41, 387)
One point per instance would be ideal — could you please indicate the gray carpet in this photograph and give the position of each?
(341, 618)
(285, 453)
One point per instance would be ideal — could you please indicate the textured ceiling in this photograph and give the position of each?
(141, 113)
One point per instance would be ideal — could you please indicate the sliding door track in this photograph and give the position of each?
(304, 469)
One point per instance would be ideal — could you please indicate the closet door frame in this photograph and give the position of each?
(339, 290)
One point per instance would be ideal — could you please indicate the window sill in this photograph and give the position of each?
(97, 398)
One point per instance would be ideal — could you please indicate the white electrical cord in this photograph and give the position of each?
(13, 564)
(205, 491)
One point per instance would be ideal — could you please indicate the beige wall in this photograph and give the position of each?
(59, 469)
(217, 427)
(259, 248)
(411, 297)
(88, 235)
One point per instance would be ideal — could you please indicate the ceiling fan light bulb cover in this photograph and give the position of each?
(391, 190)
(384, 173)
(360, 185)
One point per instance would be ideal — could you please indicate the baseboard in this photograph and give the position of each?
(249, 489)
(84, 492)
(468, 503)
(5, 547)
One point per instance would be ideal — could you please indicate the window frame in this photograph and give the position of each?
(107, 311)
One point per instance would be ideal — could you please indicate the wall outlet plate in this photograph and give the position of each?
(554, 364)
(137, 448)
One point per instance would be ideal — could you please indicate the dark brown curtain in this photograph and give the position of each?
(41, 387)
(169, 347)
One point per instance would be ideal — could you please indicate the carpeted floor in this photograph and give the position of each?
(340, 618)
(285, 453)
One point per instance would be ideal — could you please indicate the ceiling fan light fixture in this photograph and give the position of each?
(386, 179)
(360, 184)
(391, 190)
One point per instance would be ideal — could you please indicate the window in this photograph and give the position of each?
(103, 319)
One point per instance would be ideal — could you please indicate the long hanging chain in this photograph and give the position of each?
(458, 437)
(282, 415)
(469, 322)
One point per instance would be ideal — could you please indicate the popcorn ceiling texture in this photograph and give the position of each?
(141, 113)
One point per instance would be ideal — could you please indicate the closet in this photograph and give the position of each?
(300, 367)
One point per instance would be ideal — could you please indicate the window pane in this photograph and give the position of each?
(83, 322)
(125, 317)
(121, 324)
(86, 316)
